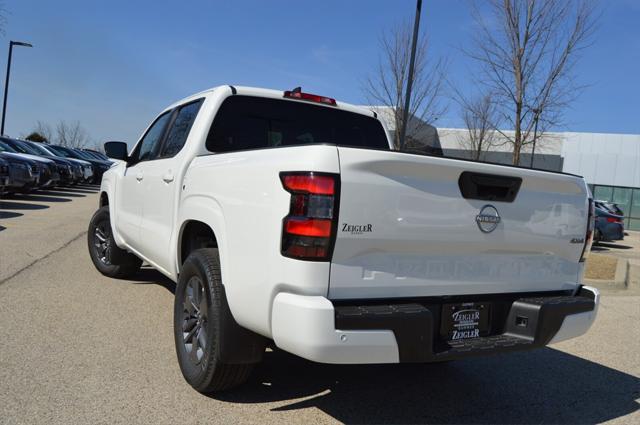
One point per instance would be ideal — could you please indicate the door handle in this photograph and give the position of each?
(168, 177)
(139, 176)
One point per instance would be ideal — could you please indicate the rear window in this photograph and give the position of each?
(246, 122)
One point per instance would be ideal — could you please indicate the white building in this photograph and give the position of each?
(609, 162)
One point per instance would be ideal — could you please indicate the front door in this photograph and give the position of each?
(129, 199)
(129, 211)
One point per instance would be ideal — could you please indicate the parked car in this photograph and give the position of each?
(286, 218)
(98, 155)
(24, 174)
(97, 167)
(4, 175)
(48, 170)
(84, 169)
(608, 226)
(100, 165)
(609, 206)
(63, 166)
(67, 169)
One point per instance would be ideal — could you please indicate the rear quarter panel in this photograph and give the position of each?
(241, 197)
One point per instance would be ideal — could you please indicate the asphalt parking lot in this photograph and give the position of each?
(76, 347)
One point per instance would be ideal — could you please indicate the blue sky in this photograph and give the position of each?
(114, 65)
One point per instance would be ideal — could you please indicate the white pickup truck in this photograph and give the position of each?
(287, 220)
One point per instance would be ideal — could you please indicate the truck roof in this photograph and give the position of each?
(271, 93)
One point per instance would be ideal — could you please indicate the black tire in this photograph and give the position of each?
(106, 256)
(597, 237)
(198, 329)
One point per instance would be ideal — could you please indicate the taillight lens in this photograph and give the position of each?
(613, 220)
(308, 231)
(588, 239)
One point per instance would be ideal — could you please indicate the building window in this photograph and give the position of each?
(627, 199)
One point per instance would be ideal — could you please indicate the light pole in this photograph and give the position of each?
(536, 115)
(407, 100)
(6, 84)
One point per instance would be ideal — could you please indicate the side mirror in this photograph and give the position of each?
(116, 150)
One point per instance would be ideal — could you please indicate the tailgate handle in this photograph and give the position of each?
(489, 187)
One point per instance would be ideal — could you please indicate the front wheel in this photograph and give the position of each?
(198, 321)
(106, 256)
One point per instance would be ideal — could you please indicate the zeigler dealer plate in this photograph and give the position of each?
(464, 320)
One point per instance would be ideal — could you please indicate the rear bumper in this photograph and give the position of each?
(313, 328)
(611, 232)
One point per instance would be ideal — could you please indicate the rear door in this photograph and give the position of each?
(409, 226)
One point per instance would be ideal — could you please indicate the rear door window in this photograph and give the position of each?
(180, 128)
(246, 122)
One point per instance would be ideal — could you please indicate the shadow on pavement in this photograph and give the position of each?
(75, 189)
(60, 193)
(149, 276)
(37, 196)
(606, 245)
(7, 205)
(543, 386)
(9, 214)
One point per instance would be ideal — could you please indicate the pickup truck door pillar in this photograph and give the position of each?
(162, 185)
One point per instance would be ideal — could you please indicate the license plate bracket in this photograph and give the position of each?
(465, 320)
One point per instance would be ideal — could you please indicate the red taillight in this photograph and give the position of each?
(613, 220)
(296, 94)
(588, 239)
(309, 229)
(311, 183)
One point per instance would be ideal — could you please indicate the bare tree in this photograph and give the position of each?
(44, 130)
(99, 147)
(528, 50)
(71, 135)
(388, 84)
(480, 116)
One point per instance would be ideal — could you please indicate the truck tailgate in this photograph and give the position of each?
(406, 230)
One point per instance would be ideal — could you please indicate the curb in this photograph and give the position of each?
(620, 280)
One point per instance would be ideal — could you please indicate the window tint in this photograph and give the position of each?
(6, 148)
(246, 122)
(180, 128)
(40, 149)
(151, 141)
(16, 146)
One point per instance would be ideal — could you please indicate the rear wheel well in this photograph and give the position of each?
(195, 235)
(104, 199)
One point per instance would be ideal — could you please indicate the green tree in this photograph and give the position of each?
(37, 137)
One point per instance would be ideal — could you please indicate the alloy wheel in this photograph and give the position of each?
(102, 242)
(194, 320)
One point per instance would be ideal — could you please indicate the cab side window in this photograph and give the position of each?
(150, 143)
(180, 128)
